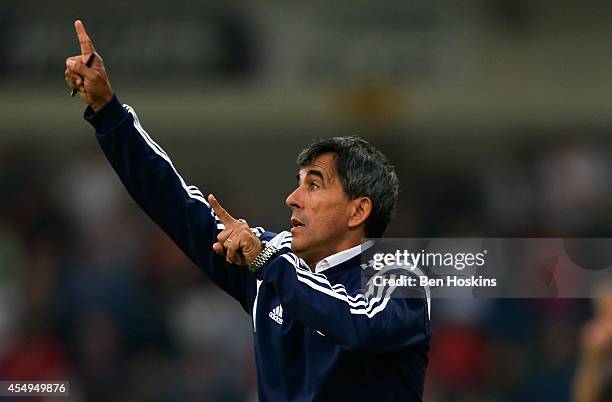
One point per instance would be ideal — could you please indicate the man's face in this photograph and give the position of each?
(320, 210)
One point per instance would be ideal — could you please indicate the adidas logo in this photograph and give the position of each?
(277, 314)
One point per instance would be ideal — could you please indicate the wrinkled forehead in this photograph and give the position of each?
(323, 165)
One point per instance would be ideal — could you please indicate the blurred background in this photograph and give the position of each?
(496, 113)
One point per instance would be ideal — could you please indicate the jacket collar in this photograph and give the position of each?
(340, 257)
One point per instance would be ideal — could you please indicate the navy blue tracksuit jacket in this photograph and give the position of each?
(317, 336)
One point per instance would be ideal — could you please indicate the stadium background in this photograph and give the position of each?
(496, 114)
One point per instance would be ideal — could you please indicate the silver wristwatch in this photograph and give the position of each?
(268, 251)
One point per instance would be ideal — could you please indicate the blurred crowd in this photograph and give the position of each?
(93, 293)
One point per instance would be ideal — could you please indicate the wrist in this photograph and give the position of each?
(108, 118)
(267, 252)
(255, 252)
(96, 106)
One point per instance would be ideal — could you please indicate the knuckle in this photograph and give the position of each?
(245, 236)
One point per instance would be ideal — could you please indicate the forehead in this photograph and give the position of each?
(326, 163)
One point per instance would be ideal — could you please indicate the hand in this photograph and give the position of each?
(236, 242)
(91, 82)
(597, 337)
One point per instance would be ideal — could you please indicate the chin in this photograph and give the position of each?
(296, 247)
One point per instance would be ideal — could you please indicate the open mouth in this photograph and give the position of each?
(296, 223)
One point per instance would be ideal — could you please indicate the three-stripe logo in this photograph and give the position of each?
(277, 314)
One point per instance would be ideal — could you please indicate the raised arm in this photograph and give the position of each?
(150, 177)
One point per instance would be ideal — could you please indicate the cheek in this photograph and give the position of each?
(333, 217)
(327, 212)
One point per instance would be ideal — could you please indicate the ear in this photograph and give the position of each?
(361, 208)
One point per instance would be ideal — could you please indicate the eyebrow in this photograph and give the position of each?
(312, 172)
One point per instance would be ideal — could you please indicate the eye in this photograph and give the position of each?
(313, 186)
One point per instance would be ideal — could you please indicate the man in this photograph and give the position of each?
(319, 336)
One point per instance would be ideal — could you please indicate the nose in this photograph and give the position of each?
(293, 199)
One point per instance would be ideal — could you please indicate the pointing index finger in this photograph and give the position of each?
(84, 40)
(223, 215)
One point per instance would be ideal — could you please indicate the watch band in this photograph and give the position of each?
(268, 251)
